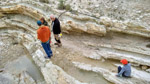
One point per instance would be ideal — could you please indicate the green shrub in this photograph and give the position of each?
(68, 7)
(44, 1)
(61, 5)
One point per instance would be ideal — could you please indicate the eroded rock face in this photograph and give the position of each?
(97, 17)
(52, 73)
(117, 15)
(90, 28)
(135, 21)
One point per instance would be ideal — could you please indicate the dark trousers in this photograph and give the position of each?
(46, 47)
(57, 38)
(58, 41)
(119, 69)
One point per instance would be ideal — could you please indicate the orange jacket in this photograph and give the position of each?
(43, 33)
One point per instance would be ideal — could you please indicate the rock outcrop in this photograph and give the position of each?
(95, 32)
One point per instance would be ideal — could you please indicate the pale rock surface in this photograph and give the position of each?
(97, 17)
(137, 75)
(87, 28)
(96, 29)
(117, 55)
(52, 73)
(21, 78)
(148, 70)
(26, 79)
(132, 25)
(6, 79)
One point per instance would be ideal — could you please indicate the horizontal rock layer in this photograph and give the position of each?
(18, 20)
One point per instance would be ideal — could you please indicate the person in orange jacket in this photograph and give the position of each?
(44, 35)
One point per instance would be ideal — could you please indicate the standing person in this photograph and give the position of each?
(44, 21)
(125, 71)
(43, 34)
(56, 29)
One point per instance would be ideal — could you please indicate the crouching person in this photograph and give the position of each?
(43, 34)
(124, 71)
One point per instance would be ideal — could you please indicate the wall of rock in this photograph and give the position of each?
(93, 17)
(130, 17)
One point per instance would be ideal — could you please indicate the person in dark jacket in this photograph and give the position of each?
(125, 71)
(56, 29)
(44, 21)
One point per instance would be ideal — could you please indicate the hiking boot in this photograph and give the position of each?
(47, 57)
(51, 55)
(59, 45)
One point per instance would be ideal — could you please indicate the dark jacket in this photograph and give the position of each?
(45, 23)
(56, 26)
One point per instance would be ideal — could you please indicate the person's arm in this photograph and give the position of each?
(121, 72)
(58, 26)
(49, 31)
(38, 35)
(50, 34)
(45, 23)
(52, 26)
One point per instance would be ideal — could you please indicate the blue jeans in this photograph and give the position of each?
(47, 48)
(119, 69)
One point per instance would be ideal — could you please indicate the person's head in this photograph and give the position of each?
(42, 19)
(39, 23)
(52, 17)
(124, 61)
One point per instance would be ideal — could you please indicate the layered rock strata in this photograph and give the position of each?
(18, 20)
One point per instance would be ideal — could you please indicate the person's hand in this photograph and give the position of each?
(60, 35)
(50, 42)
